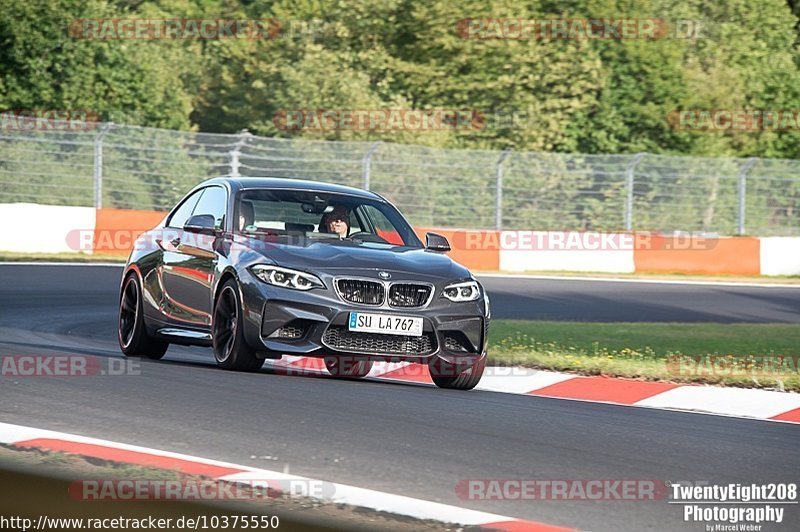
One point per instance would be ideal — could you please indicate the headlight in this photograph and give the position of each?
(286, 278)
(458, 292)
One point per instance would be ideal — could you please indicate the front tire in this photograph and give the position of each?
(347, 367)
(131, 331)
(444, 374)
(230, 348)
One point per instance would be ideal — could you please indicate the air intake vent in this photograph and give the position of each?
(294, 330)
(287, 332)
(361, 292)
(456, 342)
(342, 339)
(408, 295)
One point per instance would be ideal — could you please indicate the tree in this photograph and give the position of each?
(43, 67)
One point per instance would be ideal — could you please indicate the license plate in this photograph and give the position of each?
(381, 323)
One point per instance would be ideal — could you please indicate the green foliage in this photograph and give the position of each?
(43, 67)
(590, 96)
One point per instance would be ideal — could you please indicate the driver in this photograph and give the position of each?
(337, 221)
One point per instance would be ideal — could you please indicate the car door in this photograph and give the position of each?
(189, 263)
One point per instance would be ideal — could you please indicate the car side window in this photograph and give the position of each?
(382, 226)
(355, 223)
(213, 202)
(182, 213)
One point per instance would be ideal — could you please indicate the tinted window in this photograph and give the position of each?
(213, 202)
(179, 217)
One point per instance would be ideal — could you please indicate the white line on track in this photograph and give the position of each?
(641, 281)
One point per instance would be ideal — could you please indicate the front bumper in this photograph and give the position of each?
(314, 323)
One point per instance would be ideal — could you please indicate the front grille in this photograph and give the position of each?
(342, 339)
(361, 292)
(408, 295)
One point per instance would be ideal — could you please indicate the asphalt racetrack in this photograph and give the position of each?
(408, 439)
(624, 300)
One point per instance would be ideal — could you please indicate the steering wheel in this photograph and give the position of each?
(364, 236)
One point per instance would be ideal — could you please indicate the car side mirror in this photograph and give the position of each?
(201, 223)
(436, 242)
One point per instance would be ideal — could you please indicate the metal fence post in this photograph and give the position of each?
(98, 164)
(743, 193)
(498, 195)
(366, 168)
(629, 189)
(236, 153)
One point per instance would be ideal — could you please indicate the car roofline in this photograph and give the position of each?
(284, 183)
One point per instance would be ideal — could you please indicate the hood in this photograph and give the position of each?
(335, 258)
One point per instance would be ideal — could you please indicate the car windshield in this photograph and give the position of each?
(301, 216)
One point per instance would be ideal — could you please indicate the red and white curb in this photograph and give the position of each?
(725, 401)
(33, 438)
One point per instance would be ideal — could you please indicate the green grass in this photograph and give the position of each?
(650, 350)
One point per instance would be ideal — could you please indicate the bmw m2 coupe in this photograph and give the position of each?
(256, 268)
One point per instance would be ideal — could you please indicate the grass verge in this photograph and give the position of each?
(745, 355)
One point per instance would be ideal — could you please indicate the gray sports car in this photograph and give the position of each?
(261, 267)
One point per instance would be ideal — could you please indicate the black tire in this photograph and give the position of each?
(444, 374)
(230, 348)
(348, 367)
(131, 331)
